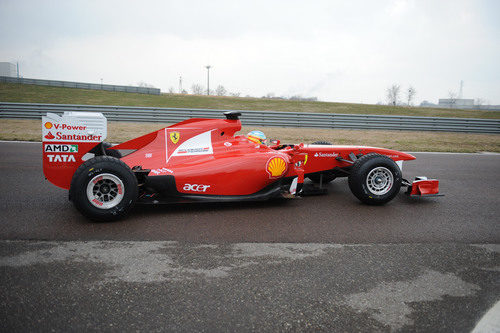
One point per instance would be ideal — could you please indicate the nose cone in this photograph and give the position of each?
(406, 156)
(394, 154)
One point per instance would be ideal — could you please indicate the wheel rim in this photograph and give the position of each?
(105, 191)
(379, 180)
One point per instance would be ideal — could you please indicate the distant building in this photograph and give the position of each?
(8, 69)
(458, 103)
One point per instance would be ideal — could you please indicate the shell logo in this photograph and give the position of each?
(48, 125)
(276, 167)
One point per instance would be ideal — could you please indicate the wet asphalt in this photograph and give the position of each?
(325, 263)
(32, 208)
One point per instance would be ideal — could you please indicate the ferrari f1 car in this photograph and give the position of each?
(203, 160)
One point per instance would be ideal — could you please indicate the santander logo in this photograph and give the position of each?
(49, 136)
(326, 155)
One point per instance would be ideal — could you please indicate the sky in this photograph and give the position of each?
(338, 51)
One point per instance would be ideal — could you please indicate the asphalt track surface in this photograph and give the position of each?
(325, 263)
(32, 208)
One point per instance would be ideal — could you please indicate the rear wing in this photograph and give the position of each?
(66, 140)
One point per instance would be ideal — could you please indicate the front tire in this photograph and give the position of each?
(375, 179)
(104, 189)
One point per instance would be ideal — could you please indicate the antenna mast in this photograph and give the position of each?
(208, 79)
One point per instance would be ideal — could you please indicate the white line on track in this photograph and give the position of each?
(490, 322)
(7, 141)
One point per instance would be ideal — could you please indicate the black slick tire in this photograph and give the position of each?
(110, 176)
(327, 176)
(375, 179)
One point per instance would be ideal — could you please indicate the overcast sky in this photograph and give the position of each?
(343, 51)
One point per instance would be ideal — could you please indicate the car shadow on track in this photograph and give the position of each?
(198, 207)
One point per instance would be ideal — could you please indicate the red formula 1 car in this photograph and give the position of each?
(203, 160)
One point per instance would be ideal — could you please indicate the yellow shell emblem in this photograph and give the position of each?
(174, 137)
(276, 166)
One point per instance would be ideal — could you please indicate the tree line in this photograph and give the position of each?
(393, 95)
(220, 90)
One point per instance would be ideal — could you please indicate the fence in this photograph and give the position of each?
(81, 85)
(262, 118)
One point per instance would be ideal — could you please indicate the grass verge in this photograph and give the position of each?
(11, 92)
(30, 130)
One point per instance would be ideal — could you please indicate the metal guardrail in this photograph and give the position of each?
(262, 118)
(81, 85)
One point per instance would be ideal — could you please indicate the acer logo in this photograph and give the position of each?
(195, 187)
(61, 158)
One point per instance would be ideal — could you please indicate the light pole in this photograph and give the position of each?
(208, 79)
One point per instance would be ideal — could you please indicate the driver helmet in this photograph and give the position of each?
(257, 137)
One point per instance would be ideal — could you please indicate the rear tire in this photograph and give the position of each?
(104, 189)
(375, 179)
(327, 176)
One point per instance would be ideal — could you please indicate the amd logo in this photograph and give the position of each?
(53, 148)
(195, 187)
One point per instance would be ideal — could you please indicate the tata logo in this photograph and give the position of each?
(61, 148)
(174, 137)
(61, 158)
(195, 187)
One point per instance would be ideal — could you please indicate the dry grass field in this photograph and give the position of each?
(30, 130)
(10, 92)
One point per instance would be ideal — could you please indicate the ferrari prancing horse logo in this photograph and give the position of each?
(175, 136)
